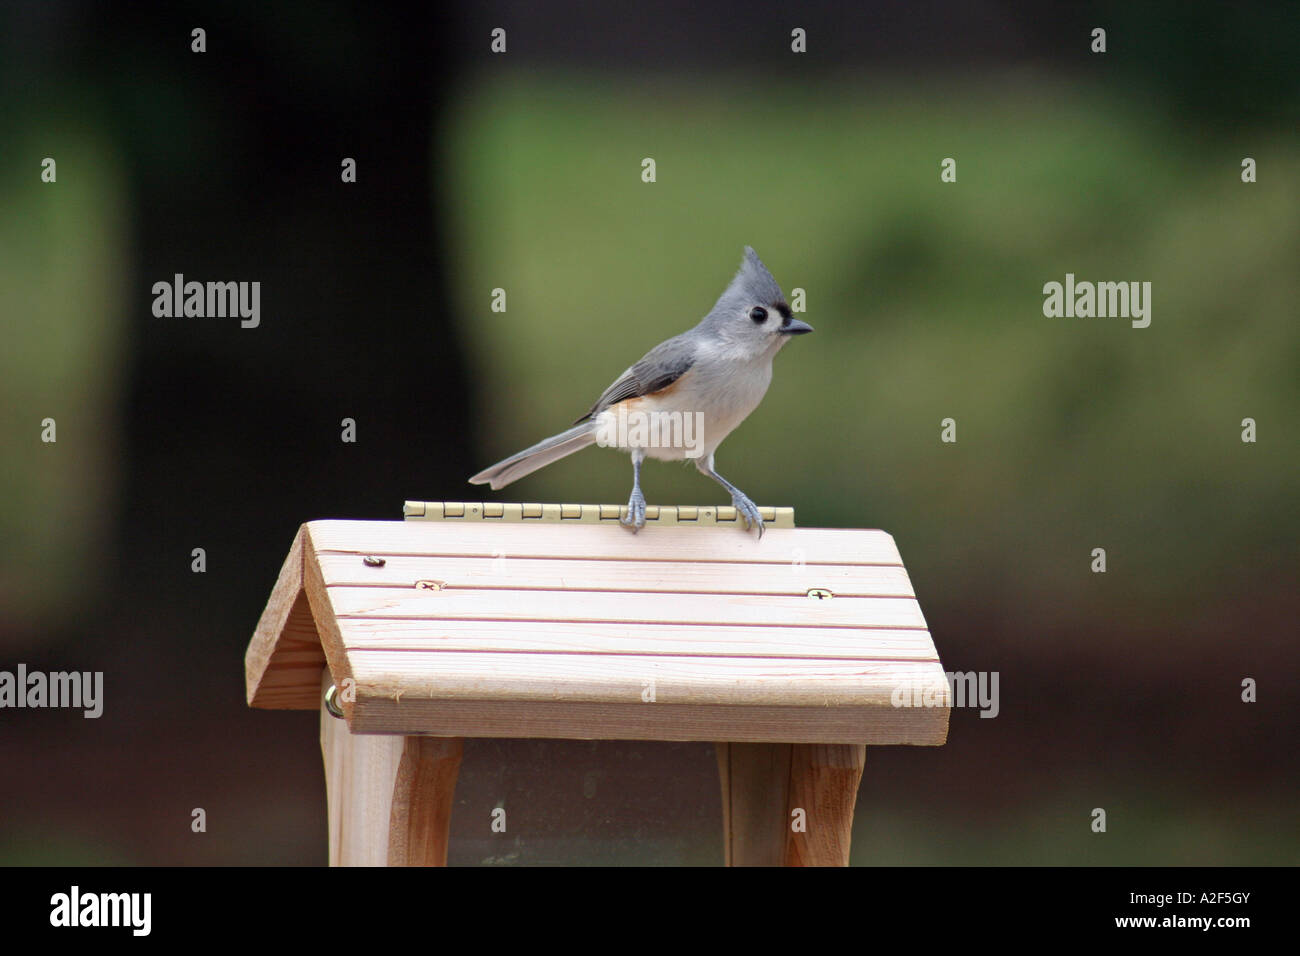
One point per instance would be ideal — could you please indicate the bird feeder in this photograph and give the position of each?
(792, 652)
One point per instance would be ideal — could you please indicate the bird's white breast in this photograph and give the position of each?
(694, 414)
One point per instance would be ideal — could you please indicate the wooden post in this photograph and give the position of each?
(764, 784)
(389, 796)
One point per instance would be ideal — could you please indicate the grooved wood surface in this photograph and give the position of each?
(586, 630)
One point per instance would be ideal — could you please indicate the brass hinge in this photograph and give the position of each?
(694, 515)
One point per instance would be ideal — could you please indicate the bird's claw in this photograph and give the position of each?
(748, 512)
(635, 517)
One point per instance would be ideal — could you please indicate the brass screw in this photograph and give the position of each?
(820, 594)
(373, 562)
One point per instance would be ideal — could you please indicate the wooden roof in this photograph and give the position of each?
(490, 629)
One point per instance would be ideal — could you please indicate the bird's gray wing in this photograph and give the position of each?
(659, 368)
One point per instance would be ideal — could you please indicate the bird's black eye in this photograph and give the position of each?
(758, 314)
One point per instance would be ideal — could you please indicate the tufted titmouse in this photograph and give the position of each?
(684, 396)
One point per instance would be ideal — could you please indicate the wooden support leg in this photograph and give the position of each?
(389, 796)
(765, 785)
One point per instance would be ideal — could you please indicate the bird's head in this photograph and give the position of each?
(752, 315)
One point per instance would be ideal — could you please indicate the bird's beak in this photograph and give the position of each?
(795, 327)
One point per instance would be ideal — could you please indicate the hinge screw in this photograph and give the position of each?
(819, 594)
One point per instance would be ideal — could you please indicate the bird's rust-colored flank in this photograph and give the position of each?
(633, 404)
(670, 387)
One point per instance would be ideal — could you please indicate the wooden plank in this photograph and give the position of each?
(681, 640)
(673, 543)
(284, 656)
(756, 610)
(755, 794)
(577, 720)
(423, 794)
(326, 617)
(701, 577)
(788, 804)
(824, 782)
(360, 773)
(389, 797)
(289, 680)
(622, 679)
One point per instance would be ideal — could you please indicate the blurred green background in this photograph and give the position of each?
(1119, 690)
(1073, 433)
(927, 300)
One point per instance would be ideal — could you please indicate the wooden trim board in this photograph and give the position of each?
(473, 629)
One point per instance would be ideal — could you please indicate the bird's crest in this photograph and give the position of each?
(752, 284)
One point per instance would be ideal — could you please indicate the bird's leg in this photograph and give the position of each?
(747, 510)
(635, 518)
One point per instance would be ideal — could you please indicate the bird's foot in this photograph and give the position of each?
(748, 512)
(635, 517)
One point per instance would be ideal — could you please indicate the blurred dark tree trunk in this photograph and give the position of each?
(233, 435)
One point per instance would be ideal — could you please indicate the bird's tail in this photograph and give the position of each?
(539, 456)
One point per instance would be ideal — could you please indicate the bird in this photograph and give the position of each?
(684, 396)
